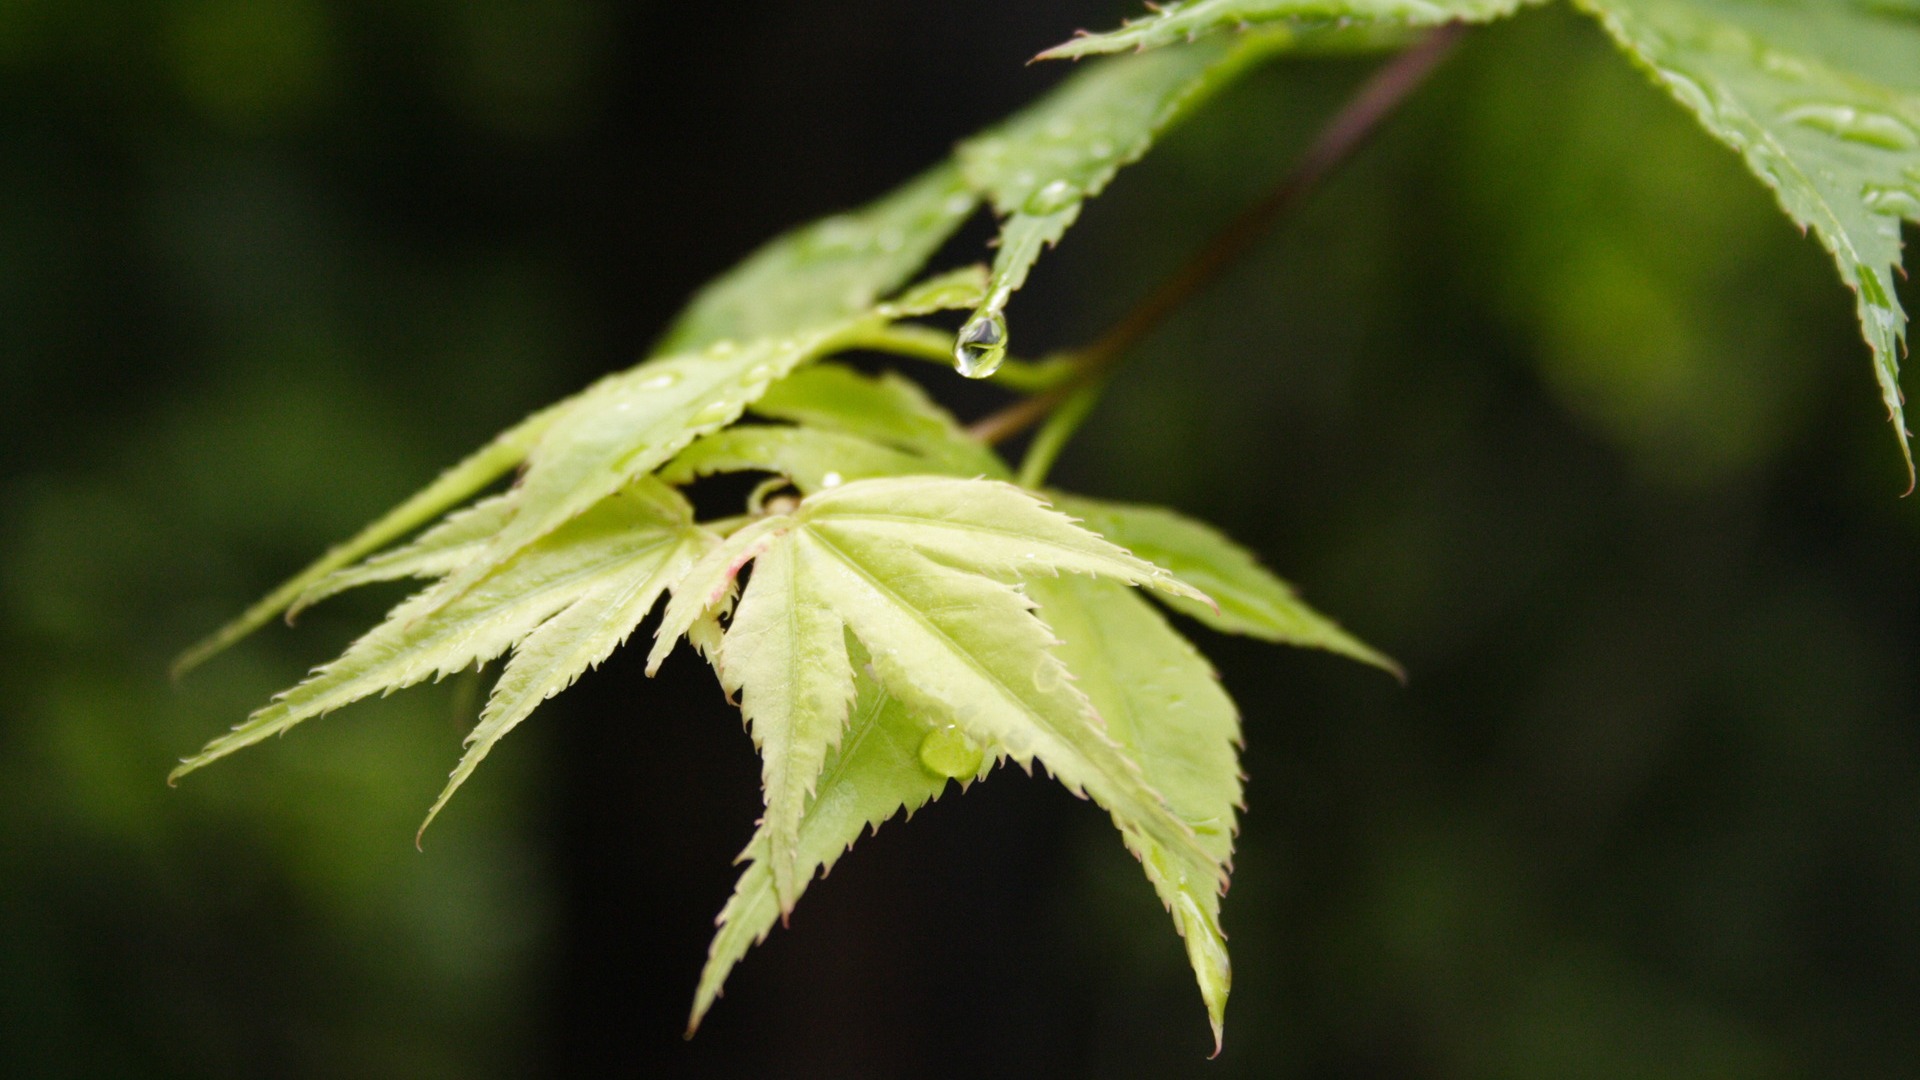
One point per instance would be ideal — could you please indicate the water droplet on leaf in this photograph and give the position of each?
(1891, 200)
(1052, 199)
(1865, 126)
(832, 480)
(946, 751)
(660, 381)
(981, 346)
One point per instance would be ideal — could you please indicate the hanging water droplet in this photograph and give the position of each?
(1052, 199)
(946, 751)
(981, 346)
(1865, 126)
(714, 412)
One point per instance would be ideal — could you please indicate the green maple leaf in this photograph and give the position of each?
(577, 452)
(1821, 99)
(562, 604)
(921, 570)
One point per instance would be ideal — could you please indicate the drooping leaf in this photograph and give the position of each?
(1821, 98)
(1039, 167)
(828, 270)
(874, 774)
(785, 654)
(627, 537)
(1247, 597)
(1162, 702)
(1171, 24)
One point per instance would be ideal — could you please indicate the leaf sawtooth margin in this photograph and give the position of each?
(1163, 702)
(603, 564)
(1822, 102)
(923, 571)
(1246, 598)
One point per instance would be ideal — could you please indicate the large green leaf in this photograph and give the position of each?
(1247, 597)
(1039, 167)
(1162, 702)
(875, 773)
(828, 270)
(631, 543)
(923, 570)
(1822, 100)
(1171, 24)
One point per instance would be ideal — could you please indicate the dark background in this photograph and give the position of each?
(1541, 395)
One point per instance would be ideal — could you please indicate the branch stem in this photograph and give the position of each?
(1343, 135)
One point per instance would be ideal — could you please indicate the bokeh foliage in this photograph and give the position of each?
(1540, 396)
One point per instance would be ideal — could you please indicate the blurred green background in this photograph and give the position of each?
(1541, 395)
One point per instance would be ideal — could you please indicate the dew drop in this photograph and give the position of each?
(660, 381)
(1891, 200)
(1052, 199)
(832, 480)
(1864, 126)
(714, 412)
(946, 751)
(981, 345)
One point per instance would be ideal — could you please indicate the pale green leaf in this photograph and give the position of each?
(1247, 597)
(959, 646)
(889, 409)
(1174, 23)
(1162, 702)
(427, 636)
(785, 654)
(874, 774)
(580, 636)
(828, 270)
(1040, 166)
(1822, 100)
